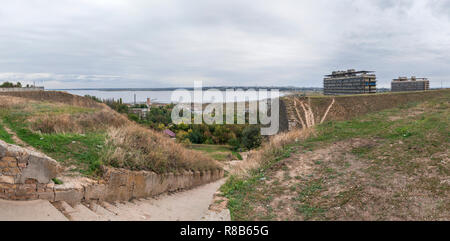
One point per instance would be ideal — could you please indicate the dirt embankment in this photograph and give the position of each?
(298, 109)
(56, 96)
(387, 165)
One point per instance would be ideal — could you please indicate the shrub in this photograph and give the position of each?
(251, 137)
(235, 144)
(196, 136)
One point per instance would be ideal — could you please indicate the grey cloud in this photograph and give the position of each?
(172, 43)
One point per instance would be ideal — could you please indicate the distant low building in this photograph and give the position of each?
(350, 82)
(413, 84)
(141, 112)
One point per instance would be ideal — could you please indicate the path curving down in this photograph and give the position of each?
(190, 205)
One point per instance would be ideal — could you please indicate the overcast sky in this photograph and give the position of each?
(149, 43)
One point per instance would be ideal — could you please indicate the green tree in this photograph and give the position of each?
(10, 85)
(196, 136)
(251, 137)
(235, 144)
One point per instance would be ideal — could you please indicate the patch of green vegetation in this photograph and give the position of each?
(308, 211)
(360, 151)
(80, 150)
(238, 155)
(241, 191)
(57, 181)
(375, 125)
(217, 152)
(5, 136)
(49, 108)
(309, 190)
(210, 148)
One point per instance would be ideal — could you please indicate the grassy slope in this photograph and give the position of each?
(217, 152)
(81, 151)
(5, 136)
(83, 135)
(389, 165)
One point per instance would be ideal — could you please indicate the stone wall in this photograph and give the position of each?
(27, 175)
(124, 185)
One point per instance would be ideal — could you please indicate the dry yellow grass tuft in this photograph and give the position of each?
(137, 148)
(9, 101)
(270, 149)
(77, 123)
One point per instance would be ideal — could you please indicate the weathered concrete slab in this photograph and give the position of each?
(36, 210)
(82, 213)
(39, 167)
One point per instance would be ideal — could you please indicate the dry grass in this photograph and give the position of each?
(269, 150)
(78, 123)
(137, 148)
(9, 101)
(59, 117)
(55, 96)
(127, 145)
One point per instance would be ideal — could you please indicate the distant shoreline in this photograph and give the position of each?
(190, 88)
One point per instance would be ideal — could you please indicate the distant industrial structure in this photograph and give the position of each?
(22, 89)
(350, 82)
(413, 84)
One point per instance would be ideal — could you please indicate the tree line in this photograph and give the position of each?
(239, 137)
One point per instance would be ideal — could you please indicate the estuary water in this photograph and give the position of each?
(163, 97)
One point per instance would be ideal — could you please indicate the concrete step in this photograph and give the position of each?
(103, 213)
(126, 211)
(83, 213)
(190, 205)
(37, 210)
(78, 213)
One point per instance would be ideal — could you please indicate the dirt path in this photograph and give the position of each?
(191, 205)
(16, 139)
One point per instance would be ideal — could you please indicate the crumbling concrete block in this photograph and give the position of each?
(95, 192)
(39, 167)
(72, 197)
